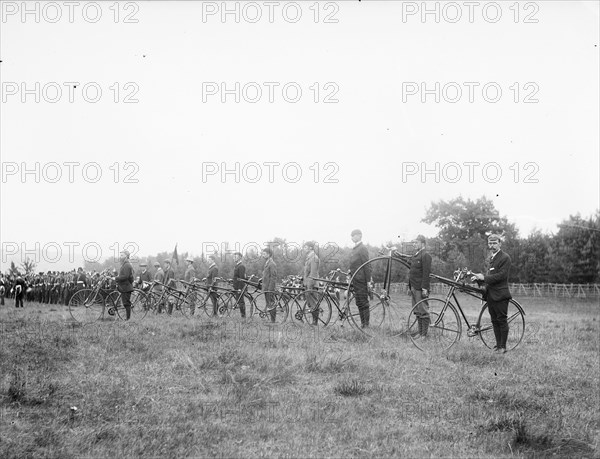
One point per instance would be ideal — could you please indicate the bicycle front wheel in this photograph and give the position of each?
(434, 325)
(311, 307)
(86, 306)
(516, 326)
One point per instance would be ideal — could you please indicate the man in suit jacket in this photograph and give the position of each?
(159, 276)
(269, 281)
(497, 293)
(311, 270)
(239, 274)
(211, 281)
(358, 257)
(125, 282)
(418, 283)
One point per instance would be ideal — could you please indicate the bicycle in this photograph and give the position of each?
(233, 298)
(196, 297)
(445, 325)
(274, 306)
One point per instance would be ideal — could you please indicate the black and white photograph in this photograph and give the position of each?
(300, 229)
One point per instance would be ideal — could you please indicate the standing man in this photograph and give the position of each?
(497, 293)
(2, 289)
(189, 276)
(159, 276)
(418, 284)
(145, 276)
(359, 256)
(311, 270)
(211, 280)
(170, 282)
(239, 274)
(20, 287)
(125, 282)
(269, 281)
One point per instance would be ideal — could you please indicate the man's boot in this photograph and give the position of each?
(424, 325)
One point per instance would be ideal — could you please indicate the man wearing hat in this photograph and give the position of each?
(144, 278)
(497, 293)
(358, 257)
(211, 280)
(189, 276)
(125, 282)
(159, 276)
(418, 283)
(239, 274)
(311, 270)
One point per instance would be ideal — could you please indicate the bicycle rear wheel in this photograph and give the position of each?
(516, 326)
(311, 307)
(388, 303)
(138, 306)
(442, 330)
(272, 307)
(86, 306)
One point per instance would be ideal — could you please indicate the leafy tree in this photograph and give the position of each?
(28, 266)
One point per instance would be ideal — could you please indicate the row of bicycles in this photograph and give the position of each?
(390, 311)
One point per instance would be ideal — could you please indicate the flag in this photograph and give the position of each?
(175, 256)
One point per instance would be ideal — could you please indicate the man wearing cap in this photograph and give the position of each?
(497, 293)
(418, 283)
(159, 276)
(311, 270)
(239, 274)
(358, 257)
(145, 276)
(189, 276)
(125, 282)
(211, 280)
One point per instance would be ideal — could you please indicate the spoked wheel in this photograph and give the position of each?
(213, 305)
(153, 302)
(190, 303)
(111, 305)
(86, 306)
(311, 307)
(516, 326)
(437, 333)
(388, 303)
(238, 306)
(138, 306)
(272, 307)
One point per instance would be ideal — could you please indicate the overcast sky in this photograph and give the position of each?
(372, 142)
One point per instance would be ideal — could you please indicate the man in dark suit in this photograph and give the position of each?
(497, 293)
(189, 276)
(169, 282)
(359, 256)
(269, 281)
(239, 274)
(125, 282)
(19, 288)
(311, 270)
(418, 283)
(211, 281)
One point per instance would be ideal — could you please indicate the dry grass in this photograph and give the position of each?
(171, 387)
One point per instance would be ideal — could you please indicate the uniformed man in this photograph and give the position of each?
(211, 281)
(311, 270)
(418, 283)
(358, 257)
(2, 289)
(189, 276)
(125, 282)
(20, 287)
(239, 274)
(169, 281)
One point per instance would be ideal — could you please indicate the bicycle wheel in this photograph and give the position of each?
(385, 303)
(233, 302)
(190, 303)
(311, 307)
(272, 307)
(441, 331)
(86, 306)
(138, 302)
(111, 304)
(516, 326)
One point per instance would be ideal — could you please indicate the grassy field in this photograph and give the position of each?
(172, 387)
